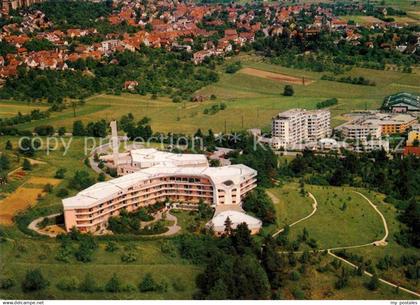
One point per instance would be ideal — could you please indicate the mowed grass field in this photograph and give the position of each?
(251, 100)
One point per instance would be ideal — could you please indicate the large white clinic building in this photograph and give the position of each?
(158, 176)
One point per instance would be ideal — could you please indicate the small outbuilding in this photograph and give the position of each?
(236, 218)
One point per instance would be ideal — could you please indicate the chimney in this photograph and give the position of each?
(115, 143)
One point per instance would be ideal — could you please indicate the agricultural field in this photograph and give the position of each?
(252, 99)
(11, 108)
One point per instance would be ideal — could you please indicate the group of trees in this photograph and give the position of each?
(327, 103)
(93, 129)
(136, 130)
(214, 108)
(20, 118)
(157, 71)
(350, 80)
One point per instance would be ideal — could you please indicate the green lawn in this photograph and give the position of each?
(334, 226)
(289, 204)
(251, 100)
(11, 108)
(393, 249)
(26, 254)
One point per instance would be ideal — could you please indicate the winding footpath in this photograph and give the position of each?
(380, 242)
(314, 209)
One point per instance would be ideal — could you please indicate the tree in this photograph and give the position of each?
(60, 173)
(81, 180)
(228, 226)
(8, 145)
(241, 239)
(78, 128)
(114, 284)
(61, 131)
(34, 281)
(373, 284)
(288, 90)
(148, 284)
(88, 284)
(27, 166)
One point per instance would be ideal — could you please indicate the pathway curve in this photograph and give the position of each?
(380, 242)
(314, 209)
(172, 230)
(34, 225)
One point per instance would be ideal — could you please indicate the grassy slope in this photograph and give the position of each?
(395, 275)
(15, 262)
(290, 205)
(332, 227)
(250, 99)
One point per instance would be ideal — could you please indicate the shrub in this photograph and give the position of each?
(295, 276)
(6, 283)
(27, 166)
(68, 284)
(298, 294)
(114, 284)
(148, 284)
(178, 284)
(59, 174)
(88, 284)
(48, 188)
(129, 257)
(288, 90)
(111, 246)
(34, 281)
(168, 248)
(63, 192)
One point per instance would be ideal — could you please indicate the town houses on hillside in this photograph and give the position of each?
(203, 30)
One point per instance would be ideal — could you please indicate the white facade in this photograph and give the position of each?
(297, 126)
(362, 131)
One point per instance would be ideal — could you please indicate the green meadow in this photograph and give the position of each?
(251, 100)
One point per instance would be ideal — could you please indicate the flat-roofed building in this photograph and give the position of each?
(138, 159)
(375, 125)
(91, 208)
(296, 126)
(319, 124)
(361, 131)
(414, 135)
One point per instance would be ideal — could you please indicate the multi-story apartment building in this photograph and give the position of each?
(299, 125)
(90, 209)
(319, 124)
(291, 126)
